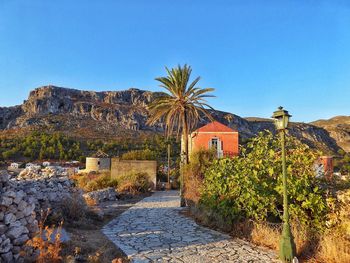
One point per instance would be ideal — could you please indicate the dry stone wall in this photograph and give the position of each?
(108, 194)
(48, 187)
(21, 200)
(17, 220)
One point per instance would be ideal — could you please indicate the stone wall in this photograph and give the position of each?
(21, 200)
(17, 220)
(48, 187)
(99, 196)
(124, 167)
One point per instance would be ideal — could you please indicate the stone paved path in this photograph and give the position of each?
(154, 231)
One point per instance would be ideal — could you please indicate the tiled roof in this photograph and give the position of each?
(215, 126)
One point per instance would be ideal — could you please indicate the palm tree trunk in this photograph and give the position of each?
(185, 133)
(185, 160)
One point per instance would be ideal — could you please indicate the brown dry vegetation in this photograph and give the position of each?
(331, 248)
(83, 222)
(87, 240)
(46, 242)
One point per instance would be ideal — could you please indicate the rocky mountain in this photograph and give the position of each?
(90, 114)
(338, 128)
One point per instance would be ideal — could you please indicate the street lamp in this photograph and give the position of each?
(287, 245)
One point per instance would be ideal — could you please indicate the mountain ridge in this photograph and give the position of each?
(107, 114)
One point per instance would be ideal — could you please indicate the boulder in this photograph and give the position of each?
(108, 194)
(9, 218)
(15, 232)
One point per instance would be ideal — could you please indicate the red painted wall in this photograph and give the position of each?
(230, 141)
(327, 162)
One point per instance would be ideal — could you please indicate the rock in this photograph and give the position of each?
(10, 194)
(7, 257)
(20, 240)
(6, 201)
(5, 246)
(4, 176)
(110, 112)
(108, 194)
(15, 232)
(22, 205)
(9, 218)
(3, 228)
(19, 215)
(16, 249)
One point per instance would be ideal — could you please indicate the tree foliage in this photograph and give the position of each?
(57, 146)
(250, 186)
(182, 105)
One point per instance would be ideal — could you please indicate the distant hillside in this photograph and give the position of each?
(122, 114)
(339, 129)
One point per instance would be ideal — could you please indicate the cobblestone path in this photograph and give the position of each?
(154, 231)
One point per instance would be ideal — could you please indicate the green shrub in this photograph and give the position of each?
(134, 183)
(95, 181)
(250, 186)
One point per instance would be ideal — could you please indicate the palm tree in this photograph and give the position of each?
(182, 106)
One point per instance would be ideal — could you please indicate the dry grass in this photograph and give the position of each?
(331, 248)
(87, 240)
(91, 245)
(73, 208)
(94, 181)
(264, 235)
(134, 183)
(334, 249)
(46, 242)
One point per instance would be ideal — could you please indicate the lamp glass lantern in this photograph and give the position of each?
(281, 118)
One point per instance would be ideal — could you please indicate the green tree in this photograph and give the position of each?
(182, 105)
(250, 186)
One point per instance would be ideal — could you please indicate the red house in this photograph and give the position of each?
(215, 135)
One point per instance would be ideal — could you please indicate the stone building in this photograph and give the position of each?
(100, 161)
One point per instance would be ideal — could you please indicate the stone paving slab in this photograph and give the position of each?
(154, 231)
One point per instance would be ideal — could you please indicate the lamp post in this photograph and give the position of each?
(287, 245)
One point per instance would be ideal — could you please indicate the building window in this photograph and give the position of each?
(214, 143)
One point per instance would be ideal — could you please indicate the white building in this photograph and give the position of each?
(46, 164)
(30, 165)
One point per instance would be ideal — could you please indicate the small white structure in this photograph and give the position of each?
(98, 162)
(30, 165)
(46, 164)
(14, 166)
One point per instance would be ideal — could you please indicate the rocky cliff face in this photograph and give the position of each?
(338, 128)
(120, 113)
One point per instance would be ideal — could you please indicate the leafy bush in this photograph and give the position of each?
(250, 186)
(95, 181)
(140, 155)
(134, 183)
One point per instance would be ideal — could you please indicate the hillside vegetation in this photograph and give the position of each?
(118, 115)
(57, 146)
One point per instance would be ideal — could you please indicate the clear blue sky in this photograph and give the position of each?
(256, 54)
